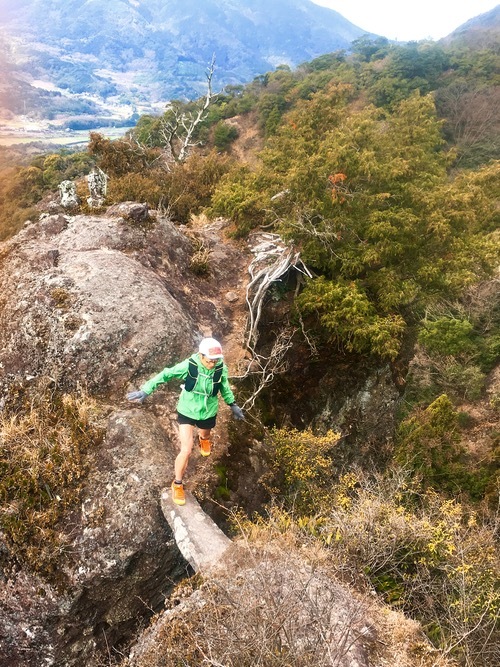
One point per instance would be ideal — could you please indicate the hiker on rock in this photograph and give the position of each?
(204, 375)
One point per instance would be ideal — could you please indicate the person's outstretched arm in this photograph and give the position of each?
(179, 371)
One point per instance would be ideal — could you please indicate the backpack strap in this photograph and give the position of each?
(192, 377)
(217, 378)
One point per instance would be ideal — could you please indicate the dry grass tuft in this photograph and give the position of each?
(44, 455)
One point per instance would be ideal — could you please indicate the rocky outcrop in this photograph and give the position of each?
(200, 540)
(105, 301)
(123, 564)
(88, 300)
(127, 556)
(67, 193)
(263, 602)
(97, 181)
(269, 604)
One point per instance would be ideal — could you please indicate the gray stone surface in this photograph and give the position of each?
(200, 540)
(98, 185)
(83, 303)
(67, 193)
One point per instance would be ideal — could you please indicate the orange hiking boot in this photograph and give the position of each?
(178, 494)
(205, 447)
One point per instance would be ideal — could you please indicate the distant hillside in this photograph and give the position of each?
(481, 32)
(115, 57)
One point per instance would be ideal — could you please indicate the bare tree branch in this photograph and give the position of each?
(266, 368)
(272, 259)
(179, 125)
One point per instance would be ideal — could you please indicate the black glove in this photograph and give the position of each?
(237, 411)
(138, 396)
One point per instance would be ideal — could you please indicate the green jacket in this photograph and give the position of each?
(199, 403)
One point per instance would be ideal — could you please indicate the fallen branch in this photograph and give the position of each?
(272, 260)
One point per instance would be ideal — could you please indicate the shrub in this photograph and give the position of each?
(465, 382)
(120, 156)
(22, 187)
(434, 561)
(239, 197)
(224, 135)
(345, 311)
(431, 558)
(446, 335)
(136, 187)
(268, 608)
(300, 463)
(189, 187)
(181, 192)
(200, 258)
(429, 443)
(459, 344)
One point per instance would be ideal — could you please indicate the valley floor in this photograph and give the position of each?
(14, 135)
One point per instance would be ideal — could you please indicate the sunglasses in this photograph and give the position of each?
(211, 361)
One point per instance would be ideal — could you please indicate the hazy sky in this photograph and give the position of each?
(409, 19)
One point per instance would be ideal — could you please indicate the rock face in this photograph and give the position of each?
(266, 604)
(126, 552)
(125, 557)
(67, 193)
(81, 302)
(104, 302)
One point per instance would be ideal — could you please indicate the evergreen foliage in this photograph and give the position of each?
(223, 135)
(359, 170)
(458, 345)
(368, 199)
(429, 443)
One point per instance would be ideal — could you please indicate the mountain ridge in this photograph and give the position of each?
(480, 31)
(148, 52)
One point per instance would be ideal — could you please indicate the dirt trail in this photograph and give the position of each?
(249, 142)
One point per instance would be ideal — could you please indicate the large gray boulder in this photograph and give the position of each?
(82, 304)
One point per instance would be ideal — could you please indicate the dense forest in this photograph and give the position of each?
(382, 166)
